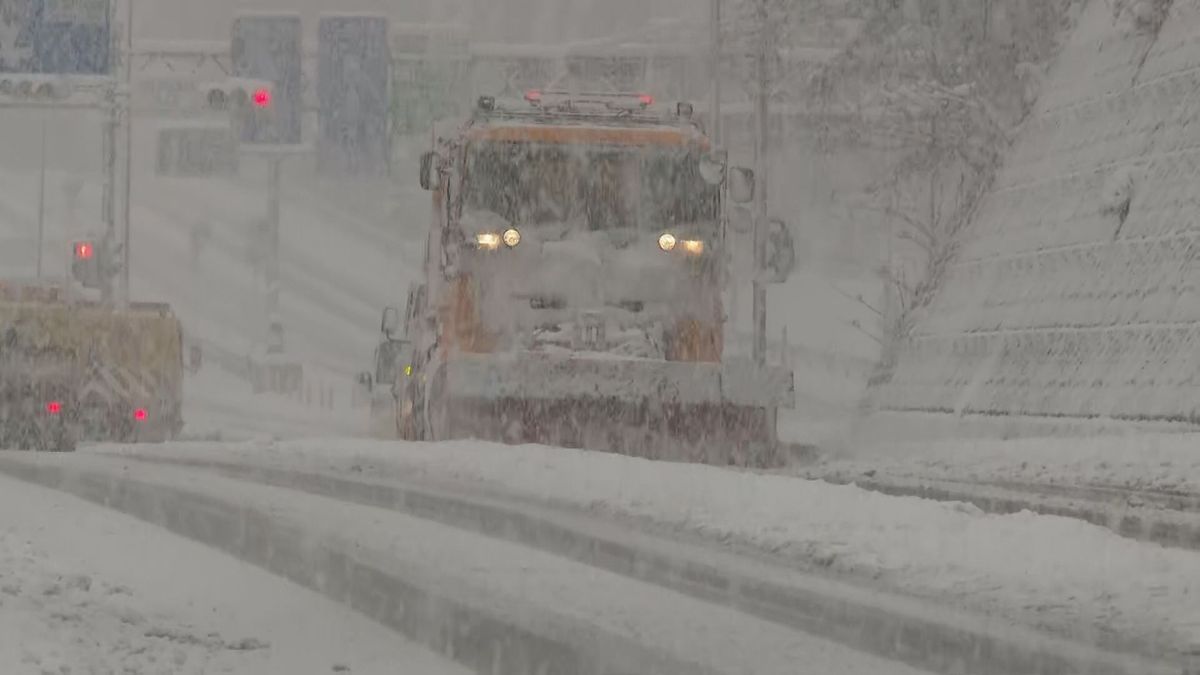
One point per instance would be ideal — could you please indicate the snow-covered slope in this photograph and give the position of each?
(1074, 290)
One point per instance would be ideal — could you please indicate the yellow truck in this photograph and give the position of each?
(78, 371)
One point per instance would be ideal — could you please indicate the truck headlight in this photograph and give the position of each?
(512, 237)
(667, 242)
(488, 241)
(693, 246)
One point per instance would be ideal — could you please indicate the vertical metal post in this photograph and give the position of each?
(41, 234)
(715, 104)
(760, 192)
(272, 275)
(110, 182)
(128, 174)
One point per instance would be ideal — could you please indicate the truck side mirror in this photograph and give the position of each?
(741, 185)
(428, 170)
(713, 166)
(390, 322)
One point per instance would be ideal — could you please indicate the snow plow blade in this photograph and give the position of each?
(558, 377)
(715, 413)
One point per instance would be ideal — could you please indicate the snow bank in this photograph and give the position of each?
(1162, 463)
(73, 599)
(1078, 579)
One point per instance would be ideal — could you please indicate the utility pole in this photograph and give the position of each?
(41, 235)
(112, 105)
(715, 105)
(128, 175)
(760, 192)
(110, 180)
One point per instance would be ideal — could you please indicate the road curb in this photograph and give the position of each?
(482, 640)
(901, 629)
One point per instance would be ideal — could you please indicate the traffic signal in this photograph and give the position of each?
(85, 265)
(249, 102)
(93, 263)
(268, 48)
(353, 73)
(239, 93)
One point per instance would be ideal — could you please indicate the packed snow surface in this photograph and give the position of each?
(1059, 573)
(523, 584)
(86, 590)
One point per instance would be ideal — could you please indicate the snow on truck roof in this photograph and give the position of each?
(607, 122)
(567, 132)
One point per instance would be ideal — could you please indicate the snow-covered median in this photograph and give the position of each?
(1075, 578)
(1158, 462)
(85, 590)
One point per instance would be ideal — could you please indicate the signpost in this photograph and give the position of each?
(196, 151)
(352, 91)
(67, 37)
(72, 36)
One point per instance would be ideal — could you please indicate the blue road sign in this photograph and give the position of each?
(70, 37)
(353, 71)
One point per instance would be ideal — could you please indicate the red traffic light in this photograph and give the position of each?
(54, 407)
(84, 250)
(140, 414)
(262, 97)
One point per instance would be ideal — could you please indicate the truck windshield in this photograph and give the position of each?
(602, 187)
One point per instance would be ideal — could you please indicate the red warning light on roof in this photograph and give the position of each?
(262, 97)
(54, 407)
(84, 250)
(140, 414)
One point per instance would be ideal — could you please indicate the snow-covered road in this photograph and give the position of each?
(545, 594)
(86, 590)
(1058, 574)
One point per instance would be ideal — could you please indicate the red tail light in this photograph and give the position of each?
(646, 100)
(140, 414)
(54, 407)
(533, 96)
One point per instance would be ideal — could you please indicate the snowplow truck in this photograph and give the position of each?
(77, 371)
(573, 286)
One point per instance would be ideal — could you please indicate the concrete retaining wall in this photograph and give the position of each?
(1076, 291)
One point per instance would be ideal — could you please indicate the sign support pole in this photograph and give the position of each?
(126, 209)
(760, 192)
(41, 235)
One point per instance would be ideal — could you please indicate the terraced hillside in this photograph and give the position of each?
(1073, 293)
